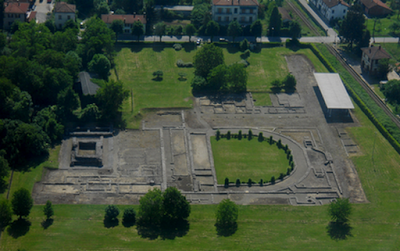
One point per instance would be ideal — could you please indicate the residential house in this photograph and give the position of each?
(14, 11)
(127, 19)
(62, 13)
(184, 10)
(331, 9)
(243, 11)
(370, 58)
(375, 8)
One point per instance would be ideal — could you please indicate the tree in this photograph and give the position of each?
(190, 30)
(160, 30)
(395, 27)
(137, 29)
(200, 13)
(48, 210)
(256, 28)
(289, 82)
(175, 206)
(226, 217)
(226, 183)
(208, 57)
(101, 7)
(90, 113)
(112, 212)
(110, 97)
(71, 24)
(118, 27)
(4, 171)
(218, 135)
(234, 30)
(67, 102)
(212, 29)
(72, 63)
(295, 29)
(158, 74)
(150, 208)
(340, 210)
(100, 65)
(5, 214)
(240, 135)
(22, 202)
(260, 137)
(236, 78)
(217, 77)
(384, 67)
(129, 216)
(352, 26)
(392, 91)
(275, 23)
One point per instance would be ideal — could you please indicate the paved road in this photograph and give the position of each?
(42, 8)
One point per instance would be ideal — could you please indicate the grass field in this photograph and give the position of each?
(381, 26)
(136, 63)
(244, 159)
(393, 49)
(376, 225)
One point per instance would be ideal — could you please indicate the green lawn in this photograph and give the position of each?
(393, 49)
(136, 63)
(381, 26)
(261, 99)
(244, 159)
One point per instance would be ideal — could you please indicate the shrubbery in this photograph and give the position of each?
(181, 63)
(177, 47)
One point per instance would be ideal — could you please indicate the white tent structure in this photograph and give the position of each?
(333, 92)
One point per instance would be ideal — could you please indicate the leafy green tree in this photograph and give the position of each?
(67, 102)
(238, 182)
(110, 97)
(217, 77)
(236, 78)
(65, 41)
(72, 63)
(392, 91)
(160, 30)
(118, 27)
(50, 25)
(273, 180)
(260, 137)
(129, 216)
(256, 28)
(101, 7)
(212, 29)
(112, 212)
(190, 30)
(218, 135)
(234, 30)
(295, 29)
(4, 171)
(198, 83)
(158, 74)
(71, 25)
(384, 67)
(351, 28)
(48, 210)
(175, 206)
(240, 135)
(137, 29)
(289, 82)
(340, 210)
(275, 23)
(395, 27)
(150, 208)
(100, 65)
(22, 202)
(5, 214)
(207, 57)
(226, 217)
(90, 113)
(200, 13)
(22, 108)
(226, 183)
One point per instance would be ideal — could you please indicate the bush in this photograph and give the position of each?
(182, 64)
(290, 157)
(177, 47)
(112, 212)
(250, 134)
(228, 135)
(261, 182)
(218, 135)
(244, 62)
(129, 216)
(249, 183)
(279, 144)
(226, 182)
(244, 45)
(238, 182)
(277, 85)
(273, 180)
(281, 176)
(292, 165)
(260, 137)
(271, 140)
(240, 135)
(286, 148)
(288, 171)
(289, 82)
(245, 55)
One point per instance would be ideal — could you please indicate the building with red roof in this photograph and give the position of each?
(370, 58)
(14, 11)
(375, 8)
(243, 11)
(331, 9)
(127, 19)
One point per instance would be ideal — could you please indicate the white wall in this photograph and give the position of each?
(62, 18)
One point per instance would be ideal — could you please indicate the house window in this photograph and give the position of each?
(333, 11)
(228, 10)
(219, 10)
(59, 17)
(242, 19)
(250, 19)
(235, 10)
(251, 11)
(68, 17)
(344, 11)
(243, 11)
(219, 19)
(226, 19)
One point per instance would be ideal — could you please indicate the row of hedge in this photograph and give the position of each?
(250, 182)
(356, 98)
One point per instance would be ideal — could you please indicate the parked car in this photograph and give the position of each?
(198, 41)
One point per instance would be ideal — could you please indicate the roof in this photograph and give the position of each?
(88, 87)
(236, 2)
(333, 3)
(333, 91)
(375, 52)
(129, 19)
(373, 3)
(63, 7)
(16, 7)
(174, 7)
(285, 15)
(32, 16)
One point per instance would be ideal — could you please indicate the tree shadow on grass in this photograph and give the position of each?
(109, 223)
(226, 229)
(339, 231)
(148, 232)
(47, 223)
(19, 228)
(169, 230)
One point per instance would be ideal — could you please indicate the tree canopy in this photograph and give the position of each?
(226, 217)
(137, 29)
(392, 91)
(100, 65)
(5, 214)
(150, 208)
(160, 29)
(212, 29)
(207, 57)
(22, 202)
(256, 28)
(340, 210)
(234, 29)
(190, 30)
(175, 206)
(351, 28)
(275, 23)
(109, 98)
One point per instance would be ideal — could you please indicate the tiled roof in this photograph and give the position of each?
(129, 19)
(375, 52)
(63, 7)
(32, 16)
(236, 2)
(16, 8)
(372, 3)
(333, 3)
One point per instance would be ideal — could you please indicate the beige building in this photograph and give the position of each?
(127, 19)
(14, 11)
(62, 13)
(370, 58)
(226, 11)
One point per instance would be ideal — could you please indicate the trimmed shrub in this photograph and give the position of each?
(279, 144)
(228, 135)
(249, 183)
(238, 182)
(288, 171)
(260, 137)
(245, 55)
(261, 182)
(292, 166)
(177, 47)
(286, 148)
(244, 62)
(240, 135)
(290, 158)
(281, 176)
(227, 182)
(273, 180)
(181, 63)
(244, 45)
(250, 134)
(112, 212)
(129, 216)
(218, 135)
(271, 140)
